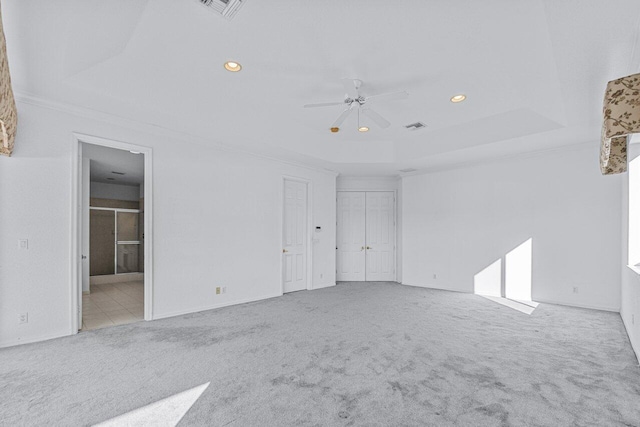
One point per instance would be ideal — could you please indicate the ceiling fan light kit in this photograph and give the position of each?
(354, 100)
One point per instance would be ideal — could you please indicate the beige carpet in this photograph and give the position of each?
(365, 354)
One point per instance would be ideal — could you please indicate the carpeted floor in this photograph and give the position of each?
(366, 354)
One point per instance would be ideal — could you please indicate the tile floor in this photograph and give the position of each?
(113, 304)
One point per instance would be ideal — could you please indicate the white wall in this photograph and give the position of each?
(101, 190)
(458, 222)
(378, 183)
(364, 183)
(227, 233)
(630, 292)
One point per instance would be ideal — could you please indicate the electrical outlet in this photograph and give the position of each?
(575, 289)
(23, 318)
(321, 275)
(23, 244)
(218, 290)
(435, 276)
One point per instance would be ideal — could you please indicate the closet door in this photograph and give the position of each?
(380, 236)
(351, 251)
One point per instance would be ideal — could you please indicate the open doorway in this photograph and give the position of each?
(112, 286)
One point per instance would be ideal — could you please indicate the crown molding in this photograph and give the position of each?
(156, 130)
(371, 177)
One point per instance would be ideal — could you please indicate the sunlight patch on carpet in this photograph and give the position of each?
(526, 307)
(166, 412)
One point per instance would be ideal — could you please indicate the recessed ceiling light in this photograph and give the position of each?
(458, 98)
(232, 66)
(363, 129)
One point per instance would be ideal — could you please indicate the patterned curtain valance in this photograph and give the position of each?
(8, 113)
(621, 118)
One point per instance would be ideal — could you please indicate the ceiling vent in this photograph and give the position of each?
(416, 126)
(407, 170)
(226, 8)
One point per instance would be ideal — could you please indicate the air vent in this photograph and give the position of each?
(415, 126)
(117, 173)
(407, 170)
(226, 8)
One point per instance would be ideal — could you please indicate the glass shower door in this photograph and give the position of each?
(127, 242)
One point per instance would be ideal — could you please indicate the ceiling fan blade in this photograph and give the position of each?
(351, 87)
(388, 96)
(323, 104)
(377, 118)
(342, 117)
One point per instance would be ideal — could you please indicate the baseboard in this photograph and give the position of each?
(567, 304)
(214, 306)
(324, 285)
(435, 287)
(115, 278)
(591, 307)
(4, 344)
(634, 347)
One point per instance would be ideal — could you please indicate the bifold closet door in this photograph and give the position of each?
(351, 253)
(380, 236)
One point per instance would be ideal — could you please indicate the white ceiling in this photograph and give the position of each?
(534, 72)
(105, 161)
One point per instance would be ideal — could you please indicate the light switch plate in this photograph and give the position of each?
(23, 243)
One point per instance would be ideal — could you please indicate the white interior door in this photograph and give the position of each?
(351, 254)
(381, 236)
(295, 238)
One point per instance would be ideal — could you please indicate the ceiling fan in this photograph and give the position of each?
(354, 100)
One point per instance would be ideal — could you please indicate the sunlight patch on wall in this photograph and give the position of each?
(518, 273)
(489, 280)
(508, 280)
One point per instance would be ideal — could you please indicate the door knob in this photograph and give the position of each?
(284, 251)
(369, 247)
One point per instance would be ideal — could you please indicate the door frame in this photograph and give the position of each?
(395, 225)
(309, 239)
(76, 222)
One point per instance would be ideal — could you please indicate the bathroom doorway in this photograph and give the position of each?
(112, 243)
